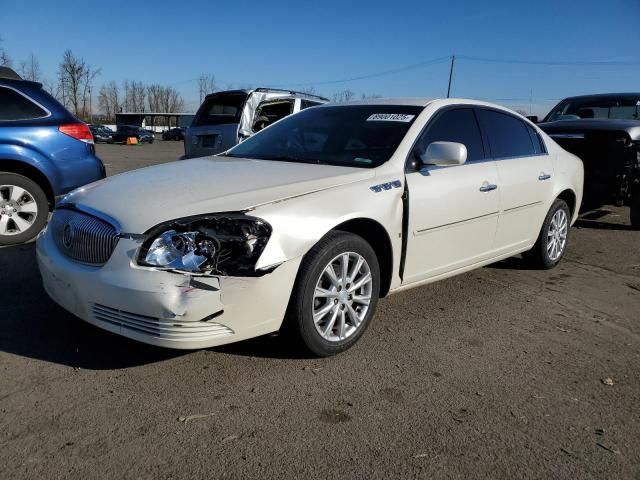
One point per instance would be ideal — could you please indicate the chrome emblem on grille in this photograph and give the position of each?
(68, 235)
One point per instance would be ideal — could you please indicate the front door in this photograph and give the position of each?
(453, 211)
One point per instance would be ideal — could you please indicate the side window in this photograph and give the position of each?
(268, 113)
(308, 103)
(14, 106)
(538, 144)
(508, 136)
(457, 125)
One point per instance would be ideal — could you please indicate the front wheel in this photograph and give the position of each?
(552, 241)
(335, 295)
(23, 209)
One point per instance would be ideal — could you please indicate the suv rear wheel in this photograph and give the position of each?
(23, 209)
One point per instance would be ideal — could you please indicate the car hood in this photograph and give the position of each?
(141, 199)
(632, 127)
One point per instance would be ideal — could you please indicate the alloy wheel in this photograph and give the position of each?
(18, 210)
(557, 235)
(342, 296)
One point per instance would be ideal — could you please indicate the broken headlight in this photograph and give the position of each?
(224, 244)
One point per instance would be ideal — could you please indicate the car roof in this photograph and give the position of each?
(249, 91)
(604, 96)
(419, 102)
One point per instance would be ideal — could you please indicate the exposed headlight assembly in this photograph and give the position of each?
(221, 244)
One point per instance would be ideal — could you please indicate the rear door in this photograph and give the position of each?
(215, 126)
(525, 170)
(453, 211)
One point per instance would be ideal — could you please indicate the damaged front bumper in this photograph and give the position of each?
(163, 308)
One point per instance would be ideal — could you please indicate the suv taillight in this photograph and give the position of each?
(79, 131)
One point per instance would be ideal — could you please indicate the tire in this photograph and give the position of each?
(22, 215)
(299, 321)
(635, 210)
(544, 255)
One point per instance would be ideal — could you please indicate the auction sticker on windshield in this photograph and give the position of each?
(390, 117)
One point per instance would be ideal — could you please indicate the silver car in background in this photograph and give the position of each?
(226, 118)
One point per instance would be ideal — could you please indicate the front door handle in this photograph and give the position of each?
(487, 187)
(544, 176)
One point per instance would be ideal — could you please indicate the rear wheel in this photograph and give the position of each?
(552, 241)
(335, 295)
(23, 209)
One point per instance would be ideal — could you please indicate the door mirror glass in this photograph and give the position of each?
(444, 153)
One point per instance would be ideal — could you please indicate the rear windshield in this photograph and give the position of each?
(363, 136)
(221, 109)
(618, 108)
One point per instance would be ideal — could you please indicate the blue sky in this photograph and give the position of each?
(287, 43)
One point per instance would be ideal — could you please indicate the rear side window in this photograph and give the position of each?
(268, 113)
(459, 125)
(14, 106)
(508, 136)
(538, 143)
(221, 109)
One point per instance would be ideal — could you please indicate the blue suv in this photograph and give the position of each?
(45, 152)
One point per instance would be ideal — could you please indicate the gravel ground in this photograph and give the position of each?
(503, 372)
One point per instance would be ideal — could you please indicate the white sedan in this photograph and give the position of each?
(304, 226)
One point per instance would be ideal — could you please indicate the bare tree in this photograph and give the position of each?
(109, 99)
(135, 94)
(30, 69)
(75, 77)
(343, 96)
(5, 59)
(206, 85)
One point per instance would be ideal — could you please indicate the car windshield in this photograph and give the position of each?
(356, 136)
(617, 108)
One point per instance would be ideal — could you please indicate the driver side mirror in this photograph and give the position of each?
(533, 118)
(444, 154)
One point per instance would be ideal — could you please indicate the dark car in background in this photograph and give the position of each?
(132, 131)
(45, 152)
(101, 133)
(174, 134)
(604, 131)
(226, 118)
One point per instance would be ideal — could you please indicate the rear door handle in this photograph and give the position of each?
(544, 176)
(487, 187)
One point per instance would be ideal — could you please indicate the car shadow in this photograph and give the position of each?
(512, 263)
(33, 326)
(596, 225)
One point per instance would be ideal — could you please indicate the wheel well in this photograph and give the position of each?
(378, 238)
(21, 168)
(569, 197)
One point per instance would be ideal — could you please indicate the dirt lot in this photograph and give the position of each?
(498, 373)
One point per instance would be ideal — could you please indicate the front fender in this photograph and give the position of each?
(299, 223)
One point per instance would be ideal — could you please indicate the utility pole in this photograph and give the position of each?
(453, 61)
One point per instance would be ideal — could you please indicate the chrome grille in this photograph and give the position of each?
(167, 329)
(83, 237)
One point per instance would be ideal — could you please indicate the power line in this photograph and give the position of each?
(405, 68)
(554, 63)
